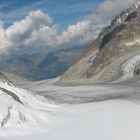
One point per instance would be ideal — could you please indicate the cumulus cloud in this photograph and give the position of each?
(22, 31)
(37, 30)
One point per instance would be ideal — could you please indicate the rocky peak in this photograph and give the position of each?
(117, 24)
(4, 79)
(128, 14)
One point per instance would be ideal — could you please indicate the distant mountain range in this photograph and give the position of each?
(40, 66)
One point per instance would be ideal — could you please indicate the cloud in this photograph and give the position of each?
(110, 8)
(80, 33)
(37, 31)
(22, 31)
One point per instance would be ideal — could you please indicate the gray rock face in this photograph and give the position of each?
(137, 71)
(4, 79)
(13, 95)
(126, 15)
(116, 43)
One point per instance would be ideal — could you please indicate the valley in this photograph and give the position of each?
(79, 83)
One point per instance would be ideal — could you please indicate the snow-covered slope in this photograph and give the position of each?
(21, 111)
(104, 112)
(112, 114)
(110, 120)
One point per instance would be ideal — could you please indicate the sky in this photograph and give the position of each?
(64, 12)
(39, 25)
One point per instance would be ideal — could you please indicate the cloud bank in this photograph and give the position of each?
(37, 30)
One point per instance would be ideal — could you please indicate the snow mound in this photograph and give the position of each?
(8, 119)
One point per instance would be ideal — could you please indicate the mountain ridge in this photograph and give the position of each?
(116, 43)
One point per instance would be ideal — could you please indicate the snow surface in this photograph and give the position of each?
(107, 119)
(23, 115)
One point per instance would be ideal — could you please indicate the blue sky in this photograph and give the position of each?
(75, 22)
(64, 12)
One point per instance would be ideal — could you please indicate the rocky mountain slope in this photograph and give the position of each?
(56, 63)
(115, 45)
(17, 80)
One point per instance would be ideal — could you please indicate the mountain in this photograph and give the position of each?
(107, 56)
(56, 63)
(39, 66)
(24, 65)
(17, 80)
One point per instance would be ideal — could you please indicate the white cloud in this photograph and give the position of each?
(4, 41)
(45, 36)
(37, 29)
(110, 8)
(73, 32)
(21, 32)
